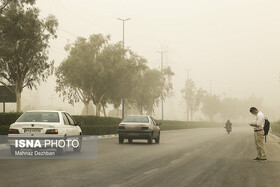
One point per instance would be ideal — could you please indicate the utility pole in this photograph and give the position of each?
(210, 81)
(123, 20)
(161, 67)
(188, 71)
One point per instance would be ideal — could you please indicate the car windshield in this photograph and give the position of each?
(49, 117)
(136, 119)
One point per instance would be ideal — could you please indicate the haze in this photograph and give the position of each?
(235, 44)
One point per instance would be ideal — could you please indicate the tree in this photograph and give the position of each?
(167, 74)
(74, 73)
(189, 95)
(150, 87)
(192, 97)
(103, 72)
(89, 110)
(117, 72)
(198, 98)
(98, 71)
(147, 89)
(211, 106)
(5, 3)
(24, 46)
(112, 78)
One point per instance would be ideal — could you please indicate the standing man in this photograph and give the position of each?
(259, 133)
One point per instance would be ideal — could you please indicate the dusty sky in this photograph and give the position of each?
(234, 43)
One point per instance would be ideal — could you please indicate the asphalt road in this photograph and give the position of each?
(193, 157)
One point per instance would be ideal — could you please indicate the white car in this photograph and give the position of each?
(42, 124)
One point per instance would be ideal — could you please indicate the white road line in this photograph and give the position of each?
(274, 136)
(151, 171)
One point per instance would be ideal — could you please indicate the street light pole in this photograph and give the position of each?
(123, 20)
(188, 72)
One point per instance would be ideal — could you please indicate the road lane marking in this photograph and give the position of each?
(151, 171)
(274, 136)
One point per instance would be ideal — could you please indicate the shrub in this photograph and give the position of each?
(8, 118)
(93, 125)
(95, 120)
(99, 129)
(4, 129)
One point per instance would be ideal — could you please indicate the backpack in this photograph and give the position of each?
(266, 127)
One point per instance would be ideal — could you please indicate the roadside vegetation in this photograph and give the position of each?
(24, 43)
(94, 125)
(212, 105)
(99, 71)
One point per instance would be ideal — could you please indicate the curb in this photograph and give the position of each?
(4, 146)
(274, 136)
(100, 136)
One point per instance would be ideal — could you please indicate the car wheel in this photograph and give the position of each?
(129, 140)
(13, 150)
(121, 139)
(78, 149)
(158, 139)
(150, 140)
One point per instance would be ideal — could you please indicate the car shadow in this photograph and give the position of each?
(138, 143)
